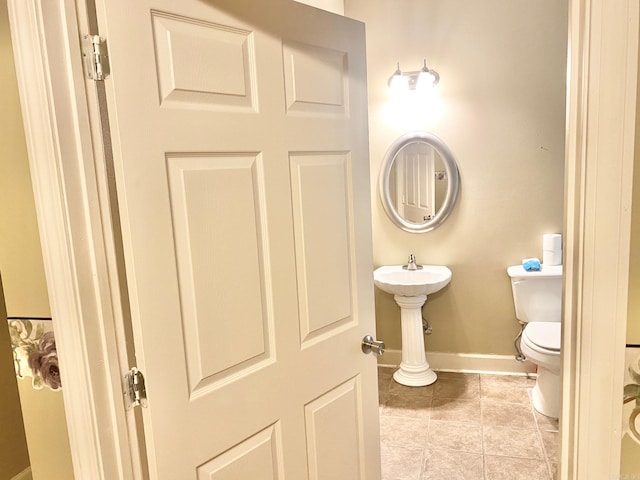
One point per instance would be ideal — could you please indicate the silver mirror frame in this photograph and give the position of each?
(451, 170)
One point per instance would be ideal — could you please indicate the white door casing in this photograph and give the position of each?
(601, 138)
(240, 149)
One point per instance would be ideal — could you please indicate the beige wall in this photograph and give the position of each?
(14, 457)
(630, 461)
(23, 273)
(633, 322)
(20, 257)
(46, 429)
(502, 93)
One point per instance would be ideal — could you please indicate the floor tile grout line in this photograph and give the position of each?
(423, 463)
(540, 440)
(483, 403)
(544, 449)
(482, 442)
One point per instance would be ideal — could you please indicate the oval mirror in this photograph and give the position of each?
(419, 182)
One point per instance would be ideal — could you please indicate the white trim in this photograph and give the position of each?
(23, 475)
(55, 113)
(598, 180)
(465, 362)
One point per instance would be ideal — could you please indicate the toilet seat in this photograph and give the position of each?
(543, 337)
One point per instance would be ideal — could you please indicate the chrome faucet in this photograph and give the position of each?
(411, 263)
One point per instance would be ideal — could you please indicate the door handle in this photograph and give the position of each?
(370, 345)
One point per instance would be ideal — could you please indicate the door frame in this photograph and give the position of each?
(71, 188)
(601, 135)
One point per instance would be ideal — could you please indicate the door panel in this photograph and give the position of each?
(209, 241)
(321, 209)
(240, 149)
(258, 457)
(203, 64)
(316, 79)
(334, 433)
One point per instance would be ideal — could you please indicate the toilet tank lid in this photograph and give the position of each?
(517, 271)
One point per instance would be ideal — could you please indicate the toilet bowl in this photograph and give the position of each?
(540, 343)
(537, 298)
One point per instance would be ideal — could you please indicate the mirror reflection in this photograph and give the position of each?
(419, 182)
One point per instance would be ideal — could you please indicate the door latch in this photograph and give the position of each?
(370, 345)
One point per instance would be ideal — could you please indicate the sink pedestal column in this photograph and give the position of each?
(414, 370)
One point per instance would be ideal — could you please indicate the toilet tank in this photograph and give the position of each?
(537, 296)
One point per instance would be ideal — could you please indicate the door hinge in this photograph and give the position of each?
(135, 392)
(96, 57)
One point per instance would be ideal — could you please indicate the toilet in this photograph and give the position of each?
(537, 297)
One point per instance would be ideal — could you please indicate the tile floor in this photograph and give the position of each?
(465, 427)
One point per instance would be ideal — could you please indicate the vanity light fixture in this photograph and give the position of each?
(420, 79)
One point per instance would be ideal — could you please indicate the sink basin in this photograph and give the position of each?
(411, 283)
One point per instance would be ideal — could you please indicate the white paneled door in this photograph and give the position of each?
(240, 145)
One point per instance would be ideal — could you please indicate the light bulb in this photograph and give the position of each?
(399, 83)
(427, 79)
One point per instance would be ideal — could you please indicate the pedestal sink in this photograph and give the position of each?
(410, 289)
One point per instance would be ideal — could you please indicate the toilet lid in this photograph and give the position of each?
(544, 334)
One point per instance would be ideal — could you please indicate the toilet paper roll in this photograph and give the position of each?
(552, 241)
(551, 258)
(552, 249)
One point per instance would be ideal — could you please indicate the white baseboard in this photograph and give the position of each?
(466, 362)
(24, 475)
